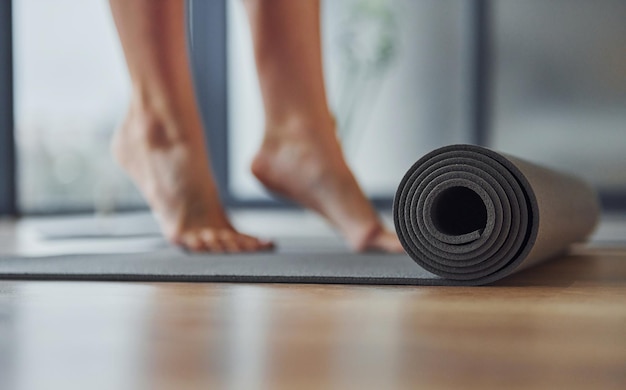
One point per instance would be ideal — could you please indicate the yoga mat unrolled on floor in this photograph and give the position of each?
(465, 215)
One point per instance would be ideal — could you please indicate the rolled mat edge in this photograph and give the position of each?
(473, 216)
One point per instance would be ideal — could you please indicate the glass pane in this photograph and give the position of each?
(71, 89)
(561, 85)
(396, 80)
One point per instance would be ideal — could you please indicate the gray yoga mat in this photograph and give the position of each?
(465, 215)
(323, 266)
(472, 216)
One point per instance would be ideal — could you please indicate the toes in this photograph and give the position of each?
(228, 241)
(247, 243)
(212, 241)
(256, 244)
(192, 242)
(223, 240)
(390, 243)
(382, 240)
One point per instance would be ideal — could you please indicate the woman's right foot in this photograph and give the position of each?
(167, 160)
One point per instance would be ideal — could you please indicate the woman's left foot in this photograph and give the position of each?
(306, 164)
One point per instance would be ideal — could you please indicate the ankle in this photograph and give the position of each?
(300, 124)
(167, 101)
(156, 123)
(148, 128)
(303, 142)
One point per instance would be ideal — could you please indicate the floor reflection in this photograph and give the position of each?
(67, 335)
(194, 335)
(212, 336)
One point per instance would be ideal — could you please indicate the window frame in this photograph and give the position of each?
(8, 179)
(207, 21)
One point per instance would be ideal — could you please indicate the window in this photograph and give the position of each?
(417, 75)
(560, 97)
(70, 91)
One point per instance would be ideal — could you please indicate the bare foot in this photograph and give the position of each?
(306, 164)
(170, 167)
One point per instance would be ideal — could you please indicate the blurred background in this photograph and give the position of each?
(399, 76)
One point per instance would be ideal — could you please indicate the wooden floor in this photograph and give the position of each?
(560, 325)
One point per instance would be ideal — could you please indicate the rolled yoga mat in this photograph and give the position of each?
(466, 215)
(472, 216)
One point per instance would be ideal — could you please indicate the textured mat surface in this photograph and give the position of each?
(465, 215)
(172, 265)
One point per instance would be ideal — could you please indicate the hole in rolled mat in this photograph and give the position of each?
(457, 211)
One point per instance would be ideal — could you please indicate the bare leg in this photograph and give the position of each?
(160, 144)
(301, 157)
